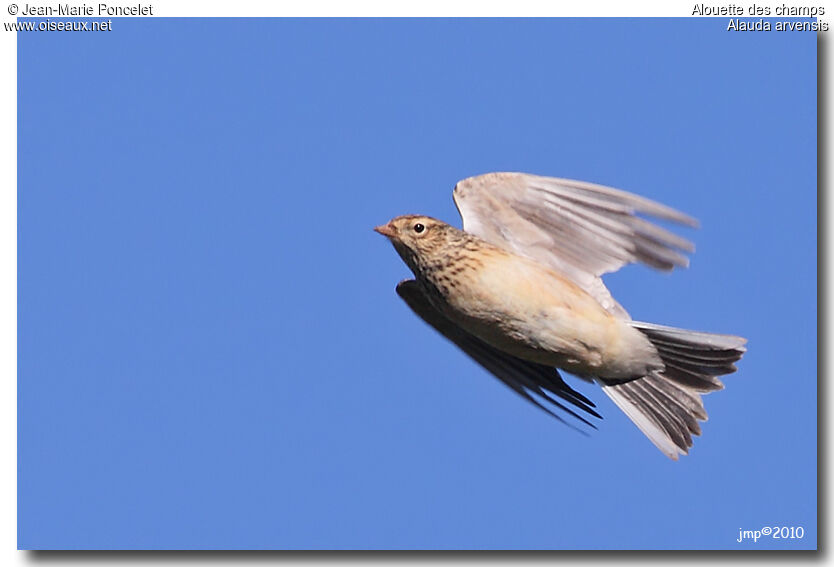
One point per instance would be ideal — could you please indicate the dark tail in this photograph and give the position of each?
(666, 405)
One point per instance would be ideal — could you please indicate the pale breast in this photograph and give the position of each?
(530, 311)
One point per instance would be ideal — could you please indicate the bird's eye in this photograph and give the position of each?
(418, 228)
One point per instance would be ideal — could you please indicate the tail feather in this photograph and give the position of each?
(697, 340)
(697, 355)
(692, 378)
(666, 405)
(688, 410)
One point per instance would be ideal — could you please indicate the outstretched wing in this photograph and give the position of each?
(525, 378)
(579, 229)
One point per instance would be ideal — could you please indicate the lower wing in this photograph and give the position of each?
(528, 379)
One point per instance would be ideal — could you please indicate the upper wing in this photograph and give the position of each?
(523, 377)
(580, 229)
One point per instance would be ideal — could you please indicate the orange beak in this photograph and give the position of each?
(386, 230)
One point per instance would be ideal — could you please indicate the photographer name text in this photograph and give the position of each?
(91, 10)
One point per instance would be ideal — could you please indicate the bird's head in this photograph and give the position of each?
(419, 240)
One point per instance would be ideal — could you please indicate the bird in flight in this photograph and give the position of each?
(519, 290)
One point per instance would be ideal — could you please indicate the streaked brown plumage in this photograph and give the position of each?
(519, 291)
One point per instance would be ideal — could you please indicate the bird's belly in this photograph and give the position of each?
(537, 315)
(554, 336)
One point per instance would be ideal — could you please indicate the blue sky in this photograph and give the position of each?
(211, 351)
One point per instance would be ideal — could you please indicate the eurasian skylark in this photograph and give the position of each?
(519, 290)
